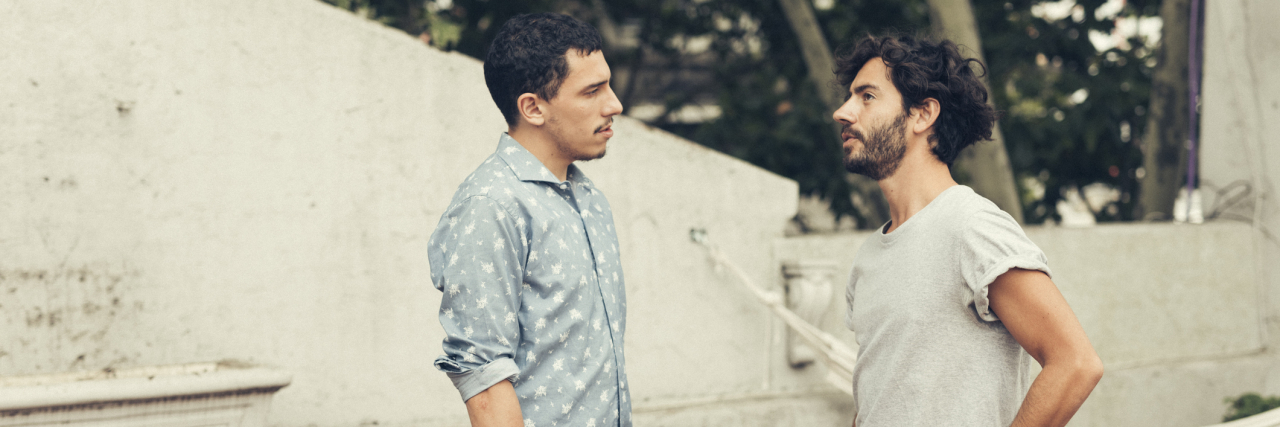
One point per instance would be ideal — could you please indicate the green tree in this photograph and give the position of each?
(1165, 154)
(1072, 113)
(772, 113)
(1249, 404)
(408, 16)
(985, 165)
(777, 108)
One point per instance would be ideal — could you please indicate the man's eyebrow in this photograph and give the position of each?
(595, 85)
(865, 87)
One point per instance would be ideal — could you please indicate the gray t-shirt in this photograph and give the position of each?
(931, 352)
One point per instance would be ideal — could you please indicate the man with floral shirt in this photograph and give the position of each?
(526, 255)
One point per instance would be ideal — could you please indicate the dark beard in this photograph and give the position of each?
(882, 150)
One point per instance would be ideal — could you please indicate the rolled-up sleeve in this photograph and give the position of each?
(475, 256)
(994, 244)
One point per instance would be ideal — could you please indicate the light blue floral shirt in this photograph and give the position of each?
(533, 291)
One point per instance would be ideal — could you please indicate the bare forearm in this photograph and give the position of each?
(1037, 315)
(1057, 393)
(497, 406)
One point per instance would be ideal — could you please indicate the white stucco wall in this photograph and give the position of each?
(1171, 309)
(190, 180)
(1240, 118)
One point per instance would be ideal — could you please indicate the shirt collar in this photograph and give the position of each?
(526, 166)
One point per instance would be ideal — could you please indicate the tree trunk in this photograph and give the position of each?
(985, 166)
(1164, 146)
(821, 64)
(813, 45)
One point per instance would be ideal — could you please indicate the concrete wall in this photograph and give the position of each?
(190, 180)
(1172, 310)
(1240, 119)
(195, 180)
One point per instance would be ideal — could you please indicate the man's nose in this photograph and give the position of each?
(846, 114)
(613, 106)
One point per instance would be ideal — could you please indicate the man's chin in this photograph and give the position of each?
(875, 171)
(589, 157)
(854, 164)
(589, 154)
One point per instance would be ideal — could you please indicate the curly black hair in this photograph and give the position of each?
(527, 56)
(921, 68)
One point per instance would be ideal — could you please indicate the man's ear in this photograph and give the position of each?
(530, 109)
(925, 116)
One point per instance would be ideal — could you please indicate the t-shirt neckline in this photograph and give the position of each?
(888, 238)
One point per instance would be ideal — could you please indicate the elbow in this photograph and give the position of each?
(487, 399)
(1089, 369)
(1084, 370)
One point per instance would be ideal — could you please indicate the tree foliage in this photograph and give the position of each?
(1072, 115)
(772, 115)
(1249, 404)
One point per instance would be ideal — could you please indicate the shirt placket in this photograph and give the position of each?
(581, 200)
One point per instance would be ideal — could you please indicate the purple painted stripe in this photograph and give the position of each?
(1193, 76)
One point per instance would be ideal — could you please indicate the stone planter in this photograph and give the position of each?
(221, 394)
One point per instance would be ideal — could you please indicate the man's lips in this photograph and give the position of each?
(606, 130)
(850, 134)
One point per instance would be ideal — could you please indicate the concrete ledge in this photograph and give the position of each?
(137, 384)
(1174, 394)
(1266, 419)
(798, 408)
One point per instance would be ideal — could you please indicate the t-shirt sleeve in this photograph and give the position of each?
(993, 243)
(475, 257)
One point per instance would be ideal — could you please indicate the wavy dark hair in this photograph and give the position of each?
(922, 68)
(527, 56)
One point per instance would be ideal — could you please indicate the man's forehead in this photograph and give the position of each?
(590, 67)
(575, 57)
(872, 73)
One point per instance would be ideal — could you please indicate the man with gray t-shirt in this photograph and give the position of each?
(949, 298)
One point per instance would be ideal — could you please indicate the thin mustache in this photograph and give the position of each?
(605, 125)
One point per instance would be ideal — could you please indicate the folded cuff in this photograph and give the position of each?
(981, 301)
(472, 382)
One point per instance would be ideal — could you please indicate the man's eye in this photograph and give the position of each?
(868, 97)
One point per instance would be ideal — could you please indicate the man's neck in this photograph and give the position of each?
(541, 146)
(919, 179)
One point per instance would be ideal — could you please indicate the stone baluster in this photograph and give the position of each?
(808, 287)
